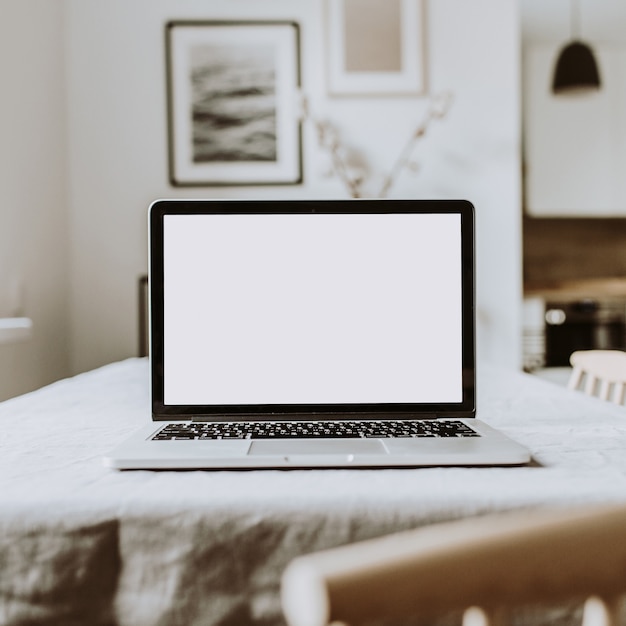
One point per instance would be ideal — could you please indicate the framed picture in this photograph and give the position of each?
(375, 47)
(233, 115)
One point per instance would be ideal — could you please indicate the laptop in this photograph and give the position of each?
(311, 334)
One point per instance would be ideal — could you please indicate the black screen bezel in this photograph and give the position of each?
(162, 411)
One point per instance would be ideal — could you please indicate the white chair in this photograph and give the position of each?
(485, 567)
(600, 373)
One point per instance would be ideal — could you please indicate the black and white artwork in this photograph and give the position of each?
(233, 103)
(232, 96)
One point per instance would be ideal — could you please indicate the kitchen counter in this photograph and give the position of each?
(593, 288)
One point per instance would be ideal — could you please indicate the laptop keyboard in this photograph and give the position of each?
(315, 429)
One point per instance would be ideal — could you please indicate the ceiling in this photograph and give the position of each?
(600, 20)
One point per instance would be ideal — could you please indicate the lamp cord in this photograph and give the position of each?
(575, 19)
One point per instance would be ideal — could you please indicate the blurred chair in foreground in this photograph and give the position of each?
(483, 567)
(600, 373)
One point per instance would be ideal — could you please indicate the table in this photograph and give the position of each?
(83, 544)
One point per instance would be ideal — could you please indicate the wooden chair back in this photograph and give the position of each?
(484, 567)
(600, 373)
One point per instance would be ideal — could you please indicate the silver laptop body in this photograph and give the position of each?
(312, 333)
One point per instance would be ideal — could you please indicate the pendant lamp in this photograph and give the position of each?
(576, 69)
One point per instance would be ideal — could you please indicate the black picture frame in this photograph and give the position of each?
(232, 101)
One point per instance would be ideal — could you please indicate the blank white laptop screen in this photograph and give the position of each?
(310, 309)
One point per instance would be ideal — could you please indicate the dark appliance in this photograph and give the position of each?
(586, 324)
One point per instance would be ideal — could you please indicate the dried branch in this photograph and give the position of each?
(328, 140)
(438, 109)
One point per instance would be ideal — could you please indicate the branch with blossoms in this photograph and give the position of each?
(354, 178)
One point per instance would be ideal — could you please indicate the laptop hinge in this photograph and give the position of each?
(277, 417)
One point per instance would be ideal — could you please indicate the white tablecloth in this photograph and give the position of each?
(83, 544)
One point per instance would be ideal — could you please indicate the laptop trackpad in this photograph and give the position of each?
(326, 446)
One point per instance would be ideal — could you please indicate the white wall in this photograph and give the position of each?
(476, 51)
(117, 141)
(33, 217)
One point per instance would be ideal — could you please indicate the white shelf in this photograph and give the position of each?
(14, 329)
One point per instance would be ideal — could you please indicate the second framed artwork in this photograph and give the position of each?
(233, 115)
(375, 47)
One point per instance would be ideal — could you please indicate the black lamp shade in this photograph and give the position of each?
(576, 69)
